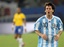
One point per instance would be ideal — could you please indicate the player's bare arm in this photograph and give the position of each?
(24, 20)
(44, 36)
(58, 35)
(13, 25)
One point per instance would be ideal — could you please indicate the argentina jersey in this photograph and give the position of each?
(50, 28)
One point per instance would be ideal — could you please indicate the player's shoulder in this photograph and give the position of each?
(15, 14)
(22, 13)
(42, 17)
(56, 17)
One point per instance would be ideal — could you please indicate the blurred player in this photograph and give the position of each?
(48, 27)
(18, 21)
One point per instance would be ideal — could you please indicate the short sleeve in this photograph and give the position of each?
(60, 25)
(37, 25)
(23, 16)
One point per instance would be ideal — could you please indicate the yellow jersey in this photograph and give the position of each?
(18, 19)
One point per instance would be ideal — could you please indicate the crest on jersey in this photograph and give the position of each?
(54, 25)
(45, 24)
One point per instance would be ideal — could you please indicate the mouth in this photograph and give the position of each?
(48, 12)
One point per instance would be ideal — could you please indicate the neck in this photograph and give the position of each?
(49, 16)
(18, 12)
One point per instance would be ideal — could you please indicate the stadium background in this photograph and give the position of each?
(33, 9)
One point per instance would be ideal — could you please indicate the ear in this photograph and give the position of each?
(52, 10)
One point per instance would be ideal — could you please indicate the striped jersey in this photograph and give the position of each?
(50, 28)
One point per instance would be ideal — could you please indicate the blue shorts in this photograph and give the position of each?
(19, 30)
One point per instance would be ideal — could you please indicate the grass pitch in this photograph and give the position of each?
(30, 40)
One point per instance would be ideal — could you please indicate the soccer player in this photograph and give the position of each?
(48, 27)
(18, 21)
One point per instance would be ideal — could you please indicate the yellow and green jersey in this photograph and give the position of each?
(18, 19)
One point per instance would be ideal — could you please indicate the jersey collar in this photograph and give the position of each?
(49, 19)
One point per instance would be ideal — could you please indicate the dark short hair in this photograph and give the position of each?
(49, 4)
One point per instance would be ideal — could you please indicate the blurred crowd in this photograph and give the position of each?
(4, 11)
(10, 9)
(27, 4)
(24, 3)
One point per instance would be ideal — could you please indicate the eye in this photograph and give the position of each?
(49, 8)
(46, 8)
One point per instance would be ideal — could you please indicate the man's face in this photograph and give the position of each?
(18, 10)
(49, 10)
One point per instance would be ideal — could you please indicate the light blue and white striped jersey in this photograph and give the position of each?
(50, 28)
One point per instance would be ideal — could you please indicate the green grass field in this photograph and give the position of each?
(30, 40)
